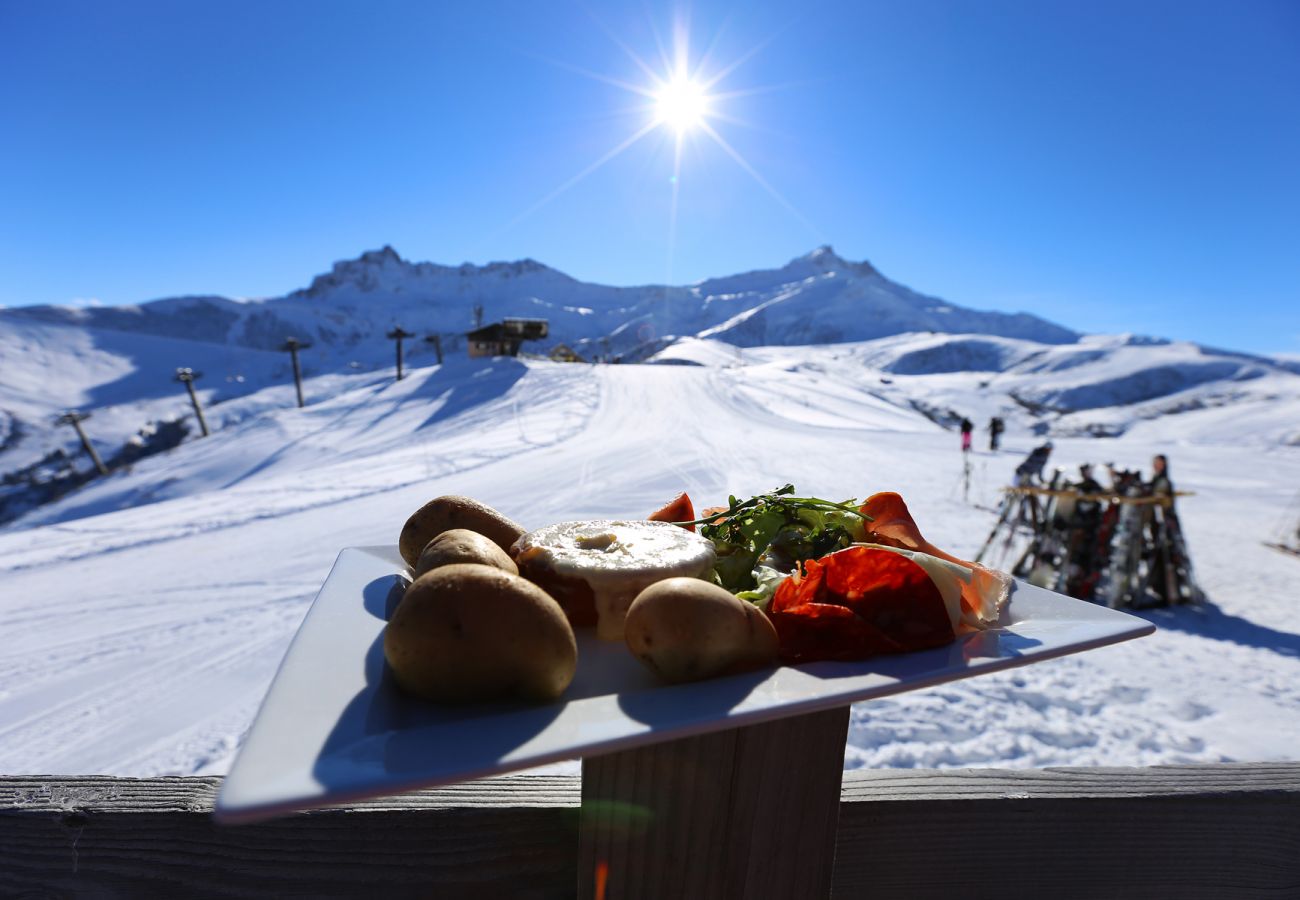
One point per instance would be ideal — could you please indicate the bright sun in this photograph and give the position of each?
(681, 104)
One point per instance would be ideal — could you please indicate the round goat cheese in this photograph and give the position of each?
(595, 569)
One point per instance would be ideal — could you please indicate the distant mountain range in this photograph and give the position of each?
(919, 354)
(815, 299)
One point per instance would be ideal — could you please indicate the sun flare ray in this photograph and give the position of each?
(618, 42)
(753, 173)
(681, 102)
(597, 76)
(706, 58)
(627, 142)
(764, 89)
(738, 62)
(672, 212)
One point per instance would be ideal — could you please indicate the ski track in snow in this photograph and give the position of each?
(139, 641)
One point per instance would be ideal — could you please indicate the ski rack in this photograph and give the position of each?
(1128, 552)
(1102, 497)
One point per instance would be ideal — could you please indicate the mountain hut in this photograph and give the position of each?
(565, 353)
(503, 338)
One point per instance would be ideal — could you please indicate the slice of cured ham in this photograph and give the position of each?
(983, 593)
(857, 603)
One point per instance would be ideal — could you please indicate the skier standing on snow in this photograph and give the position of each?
(967, 426)
(995, 432)
(1170, 575)
(1032, 468)
(1087, 511)
(1160, 485)
(1087, 484)
(1084, 547)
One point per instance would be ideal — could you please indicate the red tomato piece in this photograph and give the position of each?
(678, 509)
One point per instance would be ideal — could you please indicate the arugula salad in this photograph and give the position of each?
(761, 540)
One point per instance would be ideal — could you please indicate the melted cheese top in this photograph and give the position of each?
(617, 559)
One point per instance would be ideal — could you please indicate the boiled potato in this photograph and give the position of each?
(466, 632)
(463, 546)
(445, 513)
(685, 629)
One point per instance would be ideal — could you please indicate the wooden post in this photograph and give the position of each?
(187, 377)
(396, 335)
(74, 418)
(293, 345)
(750, 812)
(436, 340)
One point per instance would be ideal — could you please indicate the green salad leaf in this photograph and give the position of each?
(781, 529)
(766, 580)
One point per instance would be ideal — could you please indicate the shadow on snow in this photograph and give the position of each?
(1209, 621)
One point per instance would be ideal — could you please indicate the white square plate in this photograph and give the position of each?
(334, 728)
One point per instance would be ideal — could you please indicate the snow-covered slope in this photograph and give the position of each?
(1100, 386)
(900, 382)
(123, 379)
(118, 362)
(140, 640)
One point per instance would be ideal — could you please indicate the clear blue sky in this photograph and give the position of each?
(1112, 166)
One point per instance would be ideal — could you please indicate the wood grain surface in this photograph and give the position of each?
(1220, 831)
(749, 812)
(513, 836)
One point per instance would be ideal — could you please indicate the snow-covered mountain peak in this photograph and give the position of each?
(525, 266)
(385, 271)
(385, 255)
(825, 261)
(824, 256)
(367, 272)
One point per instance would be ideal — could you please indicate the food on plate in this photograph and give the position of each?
(685, 629)
(678, 509)
(466, 632)
(860, 602)
(596, 569)
(774, 578)
(768, 535)
(983, 592)
(445, 513)
(460, 545)
(846, 582)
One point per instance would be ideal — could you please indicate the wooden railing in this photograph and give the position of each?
(1214, 831)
